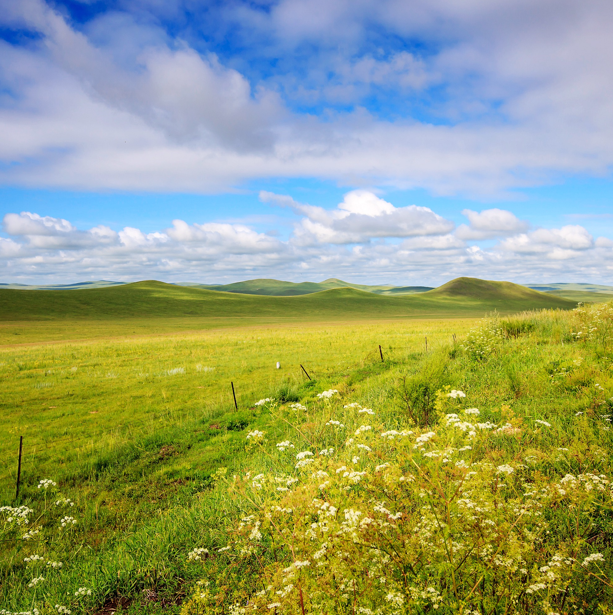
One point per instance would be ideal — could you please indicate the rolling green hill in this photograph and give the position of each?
(151, 299)
(280, 288)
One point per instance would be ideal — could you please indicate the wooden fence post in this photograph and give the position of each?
(19, 467)
(234, 395)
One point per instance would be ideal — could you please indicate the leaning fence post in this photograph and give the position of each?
(234, 395)
(381, 353)
(19, 467)
(305, 371)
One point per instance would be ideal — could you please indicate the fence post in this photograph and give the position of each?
(305, 371)
(381, 353)
(19, 467)
(234, 395)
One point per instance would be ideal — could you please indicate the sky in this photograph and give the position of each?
(402, 142)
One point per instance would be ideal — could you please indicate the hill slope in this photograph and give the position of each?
(279, 288)
(461, 297)
(486, 290)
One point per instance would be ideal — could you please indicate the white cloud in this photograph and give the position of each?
(426, 252)
(564, 242)
(490, 223)
(237, 238)
(526, 90)
(27, 223)
(360, 217)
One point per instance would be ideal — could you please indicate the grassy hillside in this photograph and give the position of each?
(462, 297)
(280, 288)
(582, 296)
(384, 490)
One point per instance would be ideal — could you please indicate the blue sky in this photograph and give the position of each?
(388, 141)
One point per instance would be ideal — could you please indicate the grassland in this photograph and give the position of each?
(135, 429)
(154, 307)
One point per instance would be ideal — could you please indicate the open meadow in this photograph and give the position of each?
(464, 469)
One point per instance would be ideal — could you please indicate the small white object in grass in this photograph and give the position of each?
(327, 394)
(264, 401)
(255, 436)
(67, 521)
(543, 423)
(455, 394)
(175, 371)
(594, 557)
(35, 581)
(282, 446)
(278, 365)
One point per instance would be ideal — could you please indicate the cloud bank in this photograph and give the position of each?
(476, 99)
(364, 238)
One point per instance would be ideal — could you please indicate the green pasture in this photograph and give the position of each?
(155, 307)
(133, 417)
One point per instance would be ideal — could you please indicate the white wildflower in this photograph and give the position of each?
(54, 565)
(283, 446)
(196, 554)
(33, 558)
(35, 581)
(455, 394)
(255, 436)
(327, 394)
(594, 557)
(425, 437)
(67, 521)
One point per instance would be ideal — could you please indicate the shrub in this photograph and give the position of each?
(416, 395)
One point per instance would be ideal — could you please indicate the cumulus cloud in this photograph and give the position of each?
(55, 233)
(521, 93)
(490, 223)
(27, 223)
(560, 244)
(238, 238)
(364, 233)
(360, 217)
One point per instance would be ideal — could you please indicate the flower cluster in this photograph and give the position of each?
(327, 394)
(436, 525)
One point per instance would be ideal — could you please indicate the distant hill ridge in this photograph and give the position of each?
(464, 297)
(464, 286)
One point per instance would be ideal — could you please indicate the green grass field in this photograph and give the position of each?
(154, 307)
(134, 419)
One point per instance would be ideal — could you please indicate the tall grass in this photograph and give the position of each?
(372, 499)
